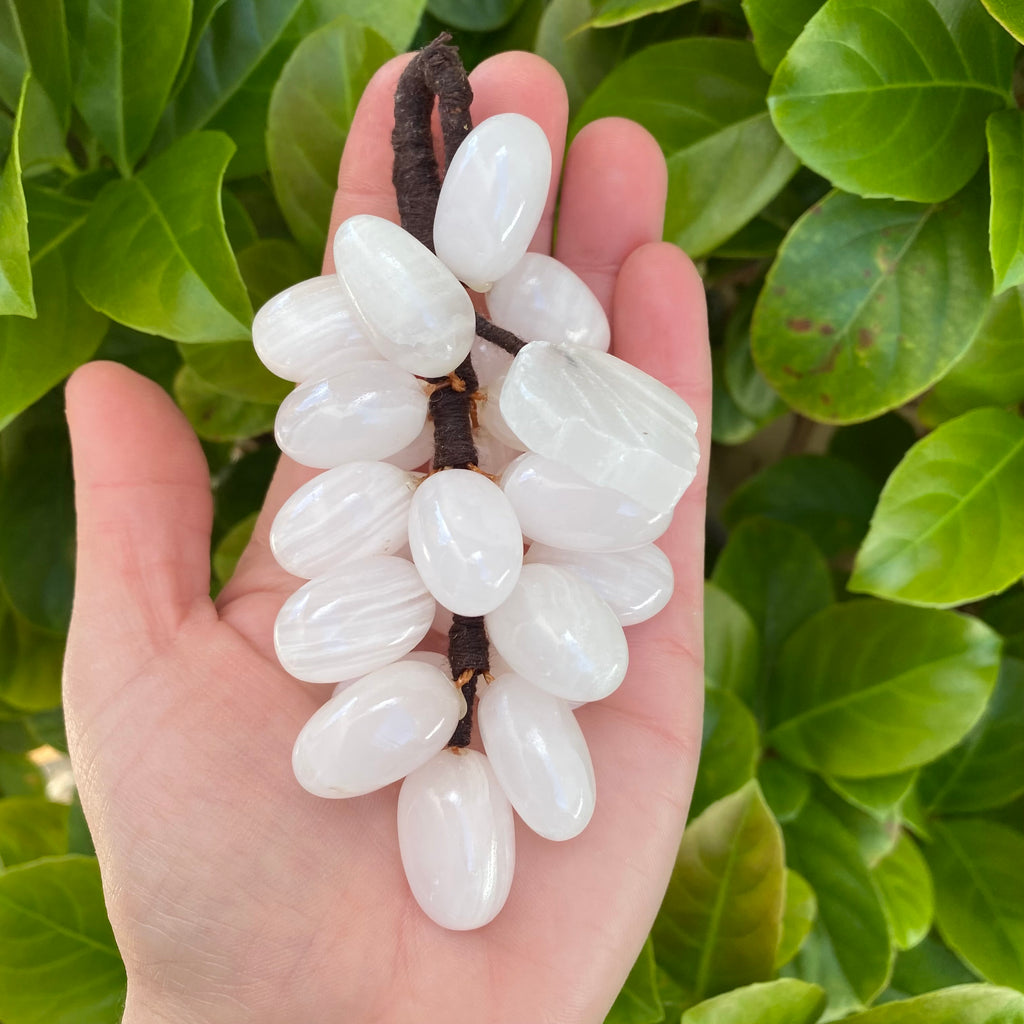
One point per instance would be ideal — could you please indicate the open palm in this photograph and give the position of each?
(234, 894)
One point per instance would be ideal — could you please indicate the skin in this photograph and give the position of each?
(235, 895)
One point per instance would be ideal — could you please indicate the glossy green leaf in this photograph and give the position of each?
(875, 446)
(927, 967)
(1005, 614)
(608, 13)
(58, 960)
(830, 500)
(965, 1004)
(979, 901)
(16, 296)
(1005, 130)
(218, 417)
(311, 110)
(729, 750)
(775, 24)
(238, 224)
(991, 371)
(729, 423)
(202, 14)
(1009, 14)
(474, 15)
(639, 1001)
(869, 301)
(719, 924)
(744, 381)
(784, 1001)
(396, 21)
(870, 688)
(703, 100)
(231, 546)
(31, 661)
(166, 226)
(848, 952)
(779, 577)
(798, 914)
(31, 828)
(37, 525)
(905, 886)
(881, 796)
(120, 93)
(731, 645)
(33, 38)
(786, 788)
(937, 537)
(910, 81)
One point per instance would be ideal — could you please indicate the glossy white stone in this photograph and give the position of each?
(376, 730)
(439, 661)
(419, 316)
(311, 330)
(489, 361)
(442, 621)
(492, 199)
(558, 507)
(366, 615)
(352, 511)
(418, 453)
(465, 541)
(557, 633)
(490, 417)
(635, 584)
(613, 424)
(492, 455)
(457, 839)
(368, 411)
(541, 298)
(539, 755)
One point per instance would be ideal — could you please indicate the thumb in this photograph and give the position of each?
(144, 512)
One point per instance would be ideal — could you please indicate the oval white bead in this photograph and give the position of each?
(457, 839)
(540, 298)
(556, 632)
(349, 512)
(418, 452)
(489, 361)
(558, 507)
(491, 419)
(368, 411)
(311, 330)
(613, 424)
(364, 616)
(376, 730)
(465, 541)
(635, 584)
(419, 316)
(539, 755)
(492, 199)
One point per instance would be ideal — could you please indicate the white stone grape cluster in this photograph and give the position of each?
(590, 456)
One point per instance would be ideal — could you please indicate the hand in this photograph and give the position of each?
(235, 895)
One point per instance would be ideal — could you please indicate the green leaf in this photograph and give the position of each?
(986, 770)
(1005, 130)
(719, 924)
(639, 1001)
(202, 14)
(15, 269)
(744, 381)
(474, 15)
(910, 81)
(779, 577)
(729, 423)
(396, 20)
(231, 546)
(609, 13)
(311, 111)
(37, 524)
(33, 38)
(153, 357)
(830, 500)
(1005, 614)
(730, 643)
(729, 751)
(785, 787)
(49, 727)
(881, 797)
(1009, 15)
(31, 828)
(785, 1001)
(218, 417)
(927, 967)
(965, 1004)
(848, 952)
(905, 886)
(991, 371)
(875, 446)
(79, 837)
(155, 255)
(19, 776)
(868, 688)
(239, 225)
(775, 25)
(703, 100)
(31, 660)
(119, 95)
(58, 960)
(270, 265)
(937, 536)
(37, 354)
(869, 301)
(798, 914)
(979, 901)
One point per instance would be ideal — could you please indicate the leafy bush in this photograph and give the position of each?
(855, 837)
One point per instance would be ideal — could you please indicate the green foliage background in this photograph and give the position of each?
(850, 177)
